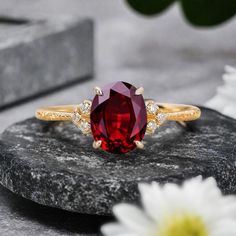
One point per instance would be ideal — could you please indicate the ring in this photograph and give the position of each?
(118, 117)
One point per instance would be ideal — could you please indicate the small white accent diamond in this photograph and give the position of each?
(84, 125)
(76, 117)
(152, 107)
(161, 117)
(85, 107)
(151, 126)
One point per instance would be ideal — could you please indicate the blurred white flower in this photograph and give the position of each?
(196, 208)
(225, 99)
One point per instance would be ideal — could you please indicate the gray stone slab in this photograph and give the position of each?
(40, 55)
(54, 165)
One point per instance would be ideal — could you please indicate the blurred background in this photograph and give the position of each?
(173, 60)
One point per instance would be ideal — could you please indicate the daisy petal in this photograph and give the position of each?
(225, 227)
(153, 200)
(114, 229)
(227, 207)
(133, 218)
(225, 98)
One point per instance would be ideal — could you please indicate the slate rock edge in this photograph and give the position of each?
(54, 165)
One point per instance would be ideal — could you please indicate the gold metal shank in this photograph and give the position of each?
(162, 112)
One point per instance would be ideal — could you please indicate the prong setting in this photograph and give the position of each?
(152, 107)
(81, 117)
(151, 127)
(85, 107)
(139, 144)
(139, 91)
(152, 120)
(97, 144)
(98, 91)
(109, 119)
(160, 118)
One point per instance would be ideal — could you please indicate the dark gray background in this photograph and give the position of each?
(172, 60)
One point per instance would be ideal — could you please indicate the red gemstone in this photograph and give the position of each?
(118, 117)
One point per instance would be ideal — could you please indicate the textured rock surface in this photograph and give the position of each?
(54, 165)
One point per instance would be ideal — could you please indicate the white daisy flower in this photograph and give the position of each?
(225, 99)
(196, 208)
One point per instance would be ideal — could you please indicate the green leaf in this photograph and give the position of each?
(208, 12)
(150, 7)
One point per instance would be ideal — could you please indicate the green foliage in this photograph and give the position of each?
(208, 12)
(150, 7)
(197, 12)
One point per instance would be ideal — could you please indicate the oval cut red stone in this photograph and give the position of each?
(118, 117)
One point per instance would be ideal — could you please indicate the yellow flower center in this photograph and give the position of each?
(183, 225)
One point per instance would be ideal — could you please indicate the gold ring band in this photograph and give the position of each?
(119, 117)
(166, 112)
(172, 112)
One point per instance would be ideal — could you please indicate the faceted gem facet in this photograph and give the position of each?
(118, 117)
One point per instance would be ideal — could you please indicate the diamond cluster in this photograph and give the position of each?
(155, 117)
(81, 117)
